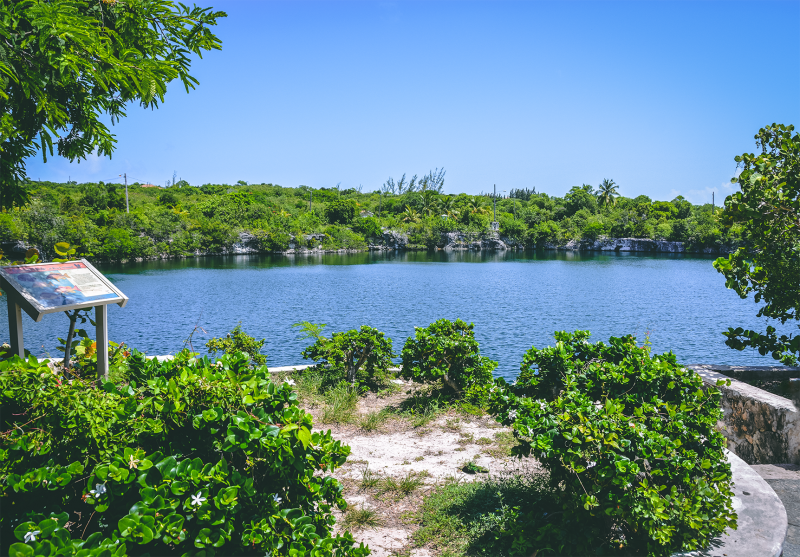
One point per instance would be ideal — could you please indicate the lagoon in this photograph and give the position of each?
(515, 299)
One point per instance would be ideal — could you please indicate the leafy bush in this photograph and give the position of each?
(338, 237)
(340, 211)
(238, 341)
(369, 227)
(192, 458)
(630, 443)
(447, 350)
(360, 357)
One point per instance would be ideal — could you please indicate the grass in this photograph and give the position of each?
(340, 404)
(501, 446)
(465, 438)
(362, 517)
(368, 479)
(401, 487)
(468, 518)
(373, 421)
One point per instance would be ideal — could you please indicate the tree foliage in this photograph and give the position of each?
(767, 208)
(64, 64)
(361, 357)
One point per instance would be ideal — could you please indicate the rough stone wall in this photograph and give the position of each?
(631, 245)
(760, 427)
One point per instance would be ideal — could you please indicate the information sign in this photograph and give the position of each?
(45, 288)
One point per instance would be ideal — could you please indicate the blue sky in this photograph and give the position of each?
(658, 96)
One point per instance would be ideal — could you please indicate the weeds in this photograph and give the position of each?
(368, 479)
(465, 438)
(340, 404)
(362, 518)
(401, 487)
(373, 420)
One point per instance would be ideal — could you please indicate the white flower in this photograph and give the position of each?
(276, 498)
(591, 464)
(198, 499)
(99, 489)
(512, 415)
(536, 372)
(290, 382)
(31, 536)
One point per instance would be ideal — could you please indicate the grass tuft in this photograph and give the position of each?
(373, 421)
(340, 404)
(362, 518)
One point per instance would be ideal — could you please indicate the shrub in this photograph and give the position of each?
(360, 357)
(630, 443)
(195, 459)
(447, 350)
(238, 341)
(369, 227)
(338, 237)
(340, 211)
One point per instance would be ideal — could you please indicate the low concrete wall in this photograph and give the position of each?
(761, 428)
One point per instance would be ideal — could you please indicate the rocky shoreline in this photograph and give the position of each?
(393, 240)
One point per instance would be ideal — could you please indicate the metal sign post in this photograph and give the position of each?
(45, 288)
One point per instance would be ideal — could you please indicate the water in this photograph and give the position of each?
(515, 300)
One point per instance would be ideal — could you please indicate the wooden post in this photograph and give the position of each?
(15, 328)
(101, 320)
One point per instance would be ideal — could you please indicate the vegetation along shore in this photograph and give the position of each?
(184, 220)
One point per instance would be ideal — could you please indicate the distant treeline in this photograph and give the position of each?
(184, 220)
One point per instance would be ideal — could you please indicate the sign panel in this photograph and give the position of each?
(52, 287)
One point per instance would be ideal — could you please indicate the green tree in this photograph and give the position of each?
(768, 210)
(607, 193)
(68, 63)
(580, 198)
(340, 211)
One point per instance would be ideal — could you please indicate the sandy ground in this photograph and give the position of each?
(429, 454)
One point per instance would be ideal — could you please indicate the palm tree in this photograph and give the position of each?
(476, 206)
(607, 192)
(410, 215)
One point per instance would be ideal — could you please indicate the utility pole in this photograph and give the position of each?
(494, 204)
(127, 203)
(712, 202)
(380, 210)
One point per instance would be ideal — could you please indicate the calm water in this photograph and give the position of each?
(515, 300)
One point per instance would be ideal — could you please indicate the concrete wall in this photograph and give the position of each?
(761, 428)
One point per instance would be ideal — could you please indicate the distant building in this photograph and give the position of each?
(149, 186)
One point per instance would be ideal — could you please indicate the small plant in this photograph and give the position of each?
(360, 357)
(465, 438)
(452, 424)
(362, 517)
(447, 350)
(372, 421)
(471, 468)
(368, 479)
(340, 405)
(238, 341)
(419, 458)
(483, 441)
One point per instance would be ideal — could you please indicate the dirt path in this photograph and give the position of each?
(391, 468)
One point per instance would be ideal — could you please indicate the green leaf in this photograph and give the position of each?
(20, 550)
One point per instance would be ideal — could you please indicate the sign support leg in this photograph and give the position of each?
(15, 328)
(101, 320)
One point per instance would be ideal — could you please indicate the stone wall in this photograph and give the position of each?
(760, 427)
(633, 245)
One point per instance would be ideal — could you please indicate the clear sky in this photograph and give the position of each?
(658, 96)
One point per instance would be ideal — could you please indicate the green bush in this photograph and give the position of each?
(340, 211)
(630, 442)
(369, 227)
(447, 350)
(339, 237)
(360, 357)
(192, 458)
(238, 341)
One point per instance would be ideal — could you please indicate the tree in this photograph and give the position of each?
(66, 63)
(768, 265)
(340, 211)
(579, 198)
(607, 192)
